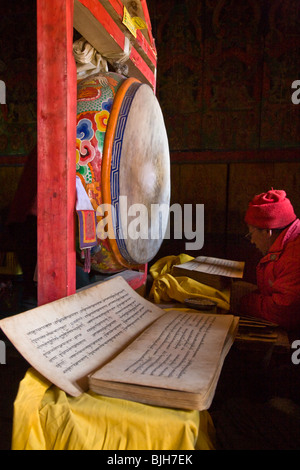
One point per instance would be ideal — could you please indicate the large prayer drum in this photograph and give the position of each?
(123, 161)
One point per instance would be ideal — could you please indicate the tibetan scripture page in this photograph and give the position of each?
(67, 339)
(181, 351)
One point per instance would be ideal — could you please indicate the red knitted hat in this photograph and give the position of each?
(270, 210)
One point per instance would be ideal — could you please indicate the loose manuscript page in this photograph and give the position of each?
(180, 351)
(67, 339)
(216, 266)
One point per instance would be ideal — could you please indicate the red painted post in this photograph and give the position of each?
(56, 150)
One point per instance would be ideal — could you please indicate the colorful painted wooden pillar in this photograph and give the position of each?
(56, 150)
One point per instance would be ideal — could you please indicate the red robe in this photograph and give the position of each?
(278, 280)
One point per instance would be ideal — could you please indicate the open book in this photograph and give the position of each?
(214, 272)
(109, 339)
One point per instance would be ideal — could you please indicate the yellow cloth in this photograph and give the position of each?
(45, 418)
(166, 287)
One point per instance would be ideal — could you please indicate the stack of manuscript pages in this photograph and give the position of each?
(109, 339)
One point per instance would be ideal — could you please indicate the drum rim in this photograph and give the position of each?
(106, 166)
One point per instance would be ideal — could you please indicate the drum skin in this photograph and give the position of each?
(122, 154)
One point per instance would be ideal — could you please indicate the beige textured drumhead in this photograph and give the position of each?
(144, 177)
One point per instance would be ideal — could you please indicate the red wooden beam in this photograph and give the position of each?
(96, 25)
(117, 9)
(137, 60)
(148, 21)
(236, 156)
(103, 17)
(56, 150)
